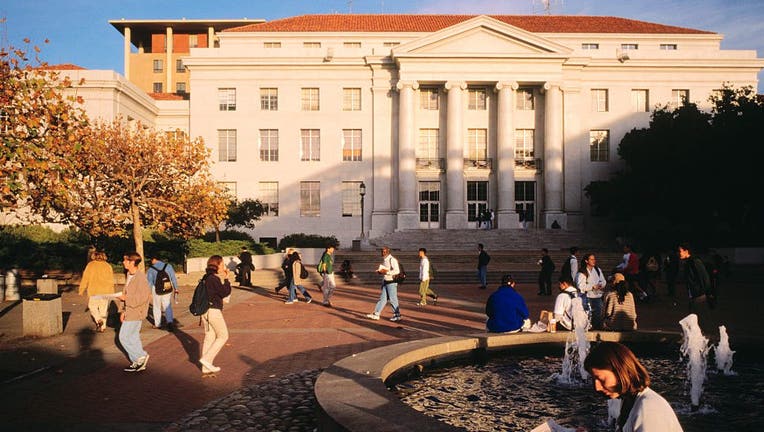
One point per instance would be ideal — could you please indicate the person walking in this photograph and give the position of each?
(162, 302)
(98, 281)
(698, 284)
(630, 269)
(135, 305)
(424, 279)
(591, 283)
(218, 284)
(295, 282)
(245, 267)
(389, 292)
(482, 265)
(326, 270)
(570, 266)
(545, 275)
(286, 267)
(506, 309)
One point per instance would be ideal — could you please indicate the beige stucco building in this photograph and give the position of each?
(439, 116)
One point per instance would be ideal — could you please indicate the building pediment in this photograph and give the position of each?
(479, 37)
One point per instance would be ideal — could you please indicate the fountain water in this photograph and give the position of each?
(723, 353)
(576, 348)
(695, 347)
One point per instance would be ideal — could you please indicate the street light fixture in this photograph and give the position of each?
(362, 192)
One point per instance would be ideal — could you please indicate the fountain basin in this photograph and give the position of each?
(352, 394)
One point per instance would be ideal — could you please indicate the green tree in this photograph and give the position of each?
(244, 213)
(689, 175)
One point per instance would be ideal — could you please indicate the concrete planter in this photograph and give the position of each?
(310, 256)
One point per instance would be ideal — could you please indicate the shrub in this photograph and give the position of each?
(228, 235)
(202, 248)
(308, 241)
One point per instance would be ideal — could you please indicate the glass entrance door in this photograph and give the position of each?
(525, 203)
(477, 203)
(429, 204)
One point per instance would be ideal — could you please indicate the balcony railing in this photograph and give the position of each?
(430, 163)
(478, 163)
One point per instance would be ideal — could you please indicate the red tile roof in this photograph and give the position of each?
(432, 23)
(166, 96)
(63, 66)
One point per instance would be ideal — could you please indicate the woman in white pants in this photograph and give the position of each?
(215, 330)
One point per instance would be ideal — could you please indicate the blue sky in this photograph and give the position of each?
(79, 31)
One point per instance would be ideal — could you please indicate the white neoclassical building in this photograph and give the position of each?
(439, 116)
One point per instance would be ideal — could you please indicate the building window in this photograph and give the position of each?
(525, 200)
(271, 44)
(680, 96)
(311, 44)
(269, 198)
(351, 44)
(269, 145)
(179, 68)
(524, 148)
(309, 99)
(310, 199)
(590, 46)
(639, 102)
(310, 145)
(390, 44)
(599, 100)
(477, 199)
(230, 188)
(668, 47)
(227, 145)
(351, 145)
(427, 148)
(599, 145)
(180, 87)
(227, 99)
(629, 46)
(351, 99)
(269, 99)
(477, 145)
(525, 99)
(476, 99)
(428, 98)
(351, 201)
(157, 66)
(157, 87)
(193, 41)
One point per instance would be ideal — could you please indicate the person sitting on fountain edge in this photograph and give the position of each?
(563, 304)
(506, 309)
(618, 374)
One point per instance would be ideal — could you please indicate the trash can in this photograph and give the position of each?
(356, 245)
(47, 286)
(42, 315)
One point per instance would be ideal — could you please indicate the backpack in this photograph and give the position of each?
(433, 273)
(162, 282)
(200, 302)
(566, 267)
(303, 271)
(652, 264)
(401, 276)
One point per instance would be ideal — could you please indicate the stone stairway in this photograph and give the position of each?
(499, 239)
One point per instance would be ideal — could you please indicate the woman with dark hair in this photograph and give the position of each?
(618, 374)
(620, 309)
(215, 329)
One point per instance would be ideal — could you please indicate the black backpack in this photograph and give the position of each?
(162, 282)
(566, 267)
(303, 271)
(200, 302)
(401, 276)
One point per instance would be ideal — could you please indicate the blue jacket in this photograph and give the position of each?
(506, 310)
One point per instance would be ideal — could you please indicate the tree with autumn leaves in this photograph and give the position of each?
(105, 178)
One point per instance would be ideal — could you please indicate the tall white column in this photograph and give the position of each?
(506, 216)
(168, 62)
(576, 143)
(210, 37)
(408, 217)
(553, 157)
(456, 217)
(128, 36)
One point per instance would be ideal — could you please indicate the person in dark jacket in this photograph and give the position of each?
(698, 285)
(215, 329)
(286, 267)
(245, 267)
(506, 309)
(482, 267)
(545, 275)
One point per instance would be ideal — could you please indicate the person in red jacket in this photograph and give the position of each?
(630, 269)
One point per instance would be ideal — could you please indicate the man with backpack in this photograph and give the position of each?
(326, 270)
(389, 269)
(570, 266)
(164, 284)
(563, 305)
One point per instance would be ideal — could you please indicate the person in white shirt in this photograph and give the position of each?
(563, 305)
(618, 374)
(424, 280)
(591, 282)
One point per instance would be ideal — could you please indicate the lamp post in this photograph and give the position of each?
(362, 192)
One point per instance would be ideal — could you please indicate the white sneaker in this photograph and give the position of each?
(210, 367)
(142, 362)
(395, 318)
(373, 316)
(310, 299)
(290, 302)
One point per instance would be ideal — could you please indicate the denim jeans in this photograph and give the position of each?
(293, 291)
(596, 306)
(389, 293)
(130, 338)
(482, 273)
